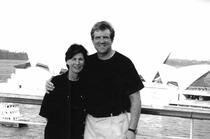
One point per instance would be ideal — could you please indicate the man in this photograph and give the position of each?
(112, 87)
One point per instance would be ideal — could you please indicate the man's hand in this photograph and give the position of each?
(49, 86)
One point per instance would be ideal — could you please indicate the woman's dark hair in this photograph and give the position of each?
(75, 49)
(103, 25)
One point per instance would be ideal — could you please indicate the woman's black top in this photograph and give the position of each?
(64, 109)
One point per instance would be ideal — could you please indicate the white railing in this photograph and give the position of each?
(173, 111)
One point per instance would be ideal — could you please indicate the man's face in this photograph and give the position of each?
(102, 41)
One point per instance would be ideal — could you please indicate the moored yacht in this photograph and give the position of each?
(27, 80)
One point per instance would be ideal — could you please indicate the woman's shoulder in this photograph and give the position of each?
(59, 77)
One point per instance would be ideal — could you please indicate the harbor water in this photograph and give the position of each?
(150, 127)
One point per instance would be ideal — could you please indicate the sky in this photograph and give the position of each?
(146, 30)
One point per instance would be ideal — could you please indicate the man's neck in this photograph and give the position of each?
(106, 56)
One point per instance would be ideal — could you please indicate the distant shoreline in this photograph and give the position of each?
(5, 54)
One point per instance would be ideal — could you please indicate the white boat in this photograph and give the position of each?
(26, 80)
(184, 86)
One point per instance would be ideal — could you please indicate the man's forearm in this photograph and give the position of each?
(135, 110)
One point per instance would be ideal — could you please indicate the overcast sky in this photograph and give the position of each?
(146, 30)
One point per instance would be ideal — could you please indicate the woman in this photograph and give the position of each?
(64, 106)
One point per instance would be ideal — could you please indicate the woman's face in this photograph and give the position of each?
(76, 63)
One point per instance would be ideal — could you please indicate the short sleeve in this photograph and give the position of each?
(133, 81)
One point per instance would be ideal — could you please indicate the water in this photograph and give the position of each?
(163, 127)
(150, 127)
(29, 132)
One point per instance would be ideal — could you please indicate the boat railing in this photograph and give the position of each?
(170, 110)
